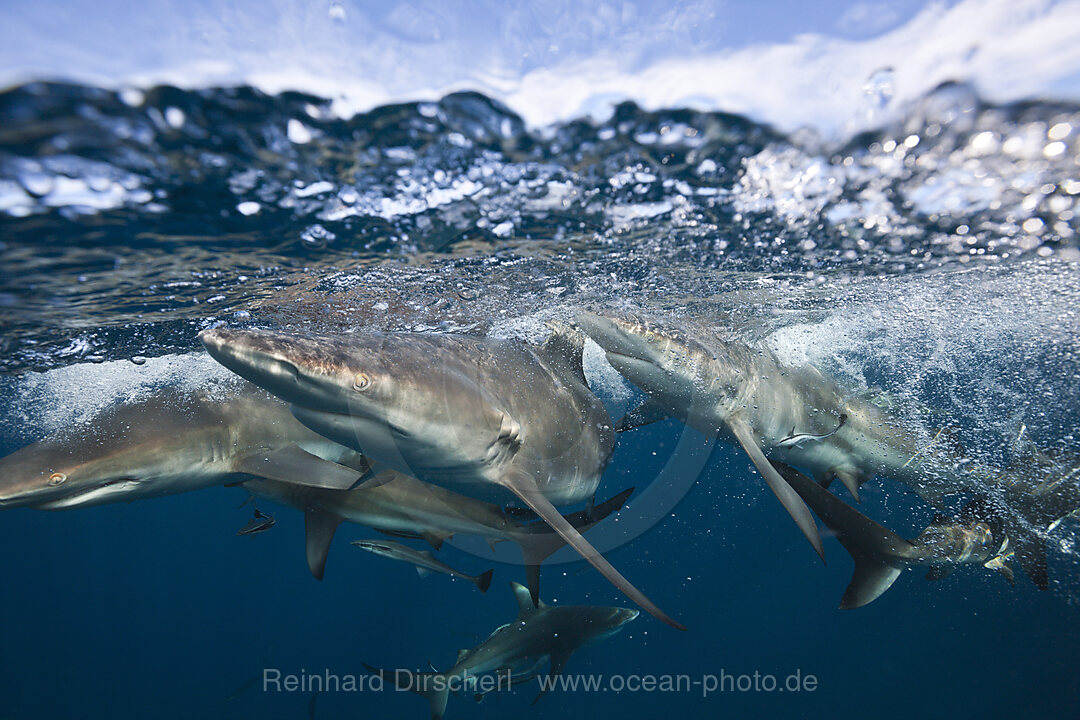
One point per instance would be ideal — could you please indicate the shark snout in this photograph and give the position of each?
(614, 335)
(254, 356)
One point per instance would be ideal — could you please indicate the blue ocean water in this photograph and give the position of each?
(935, 259)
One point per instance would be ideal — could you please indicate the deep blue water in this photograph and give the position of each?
(123, 235)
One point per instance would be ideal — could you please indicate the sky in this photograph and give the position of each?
(792, 64)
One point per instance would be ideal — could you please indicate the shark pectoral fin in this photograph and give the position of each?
(293, 464)
(422, 572)
(871, 578)
(851, 480)
(524, 486)
(370, 481)
(647, 413)
(939, 572)
(537, 546)
(319, 529)
(558, 662)
(787, 496)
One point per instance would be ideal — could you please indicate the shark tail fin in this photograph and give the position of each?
(871, 578)
(1028, 542)
(870, 544)
(424, 684)
(483, 580)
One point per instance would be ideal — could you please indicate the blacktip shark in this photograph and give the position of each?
(402, 506)
(175, 441)
(423, 560)
(746, 395)
(478, 413)
(880, 555)
(538, 634)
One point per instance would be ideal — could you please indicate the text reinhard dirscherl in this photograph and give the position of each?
(274, 680)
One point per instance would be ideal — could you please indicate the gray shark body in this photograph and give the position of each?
(482, 415)
(538, 635)
(423, 560)
(170, 443)
(400, 505)
(744, 395)
(880, 555)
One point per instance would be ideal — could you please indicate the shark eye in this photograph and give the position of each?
(361, 382)
(57, 478)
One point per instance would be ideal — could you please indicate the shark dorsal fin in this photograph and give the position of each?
(524, 598)
(563, 349)
(461, 655)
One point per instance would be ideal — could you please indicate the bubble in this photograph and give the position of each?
(1054, 149)
(175, 117)
(248, 208)
(132, 97)
(298, 132)
(1033, 226)
(316, 237)
(1060, 131)
(879, 88)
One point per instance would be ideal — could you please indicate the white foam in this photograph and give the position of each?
(50, 400)
(1008, 49)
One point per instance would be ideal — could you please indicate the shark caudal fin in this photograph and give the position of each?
(483, 580)
(1026, 540)
(538, 541)
(524, 486)
(431, 686)
(876, 550)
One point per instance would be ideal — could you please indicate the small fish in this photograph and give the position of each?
(797, 439)
(424, 561)
(260, 523)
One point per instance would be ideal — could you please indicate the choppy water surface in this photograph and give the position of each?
(935, 259)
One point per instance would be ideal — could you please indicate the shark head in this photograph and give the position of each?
(674, 370)
(123, 452)
(376, 548)
(72, 469)
(395, 397)
(601, 622)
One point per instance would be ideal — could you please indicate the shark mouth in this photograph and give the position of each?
(92, 496)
